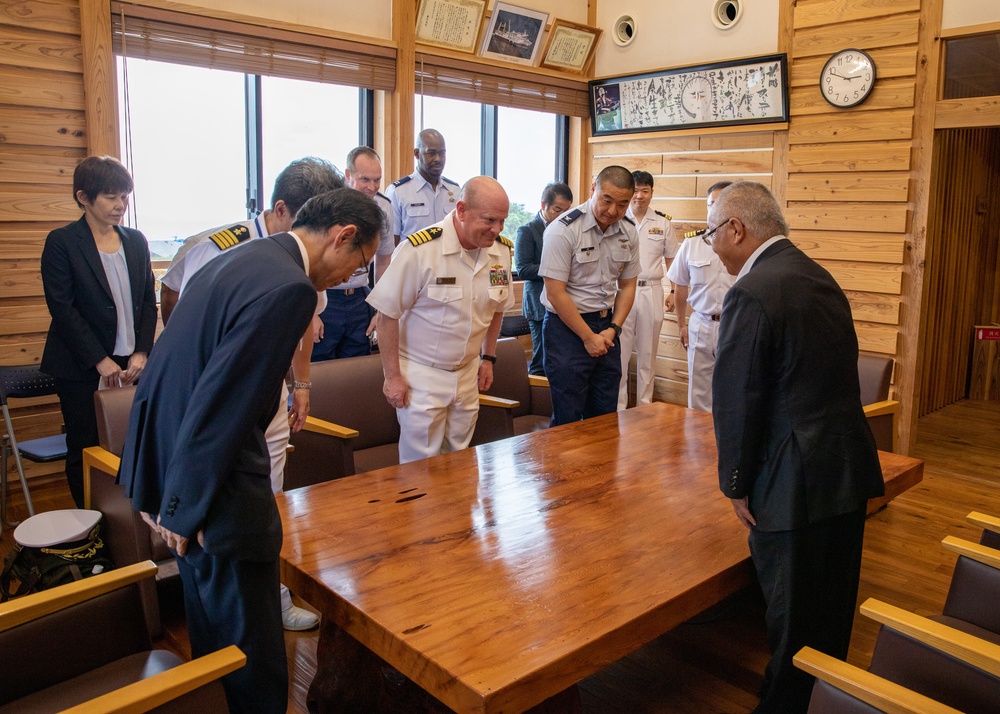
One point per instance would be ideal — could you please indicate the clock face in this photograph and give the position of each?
(847, 78)
(696, 98)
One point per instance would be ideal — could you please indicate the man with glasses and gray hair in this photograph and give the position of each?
(701, 281)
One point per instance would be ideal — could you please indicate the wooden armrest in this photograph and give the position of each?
(328, 428)
(25, 609)
(887, 406)
(161, 688)
(968, 648)
(982, 553)
(485, 400)
(537, 380)
(99, 457)
(990, 523)
(869, 688)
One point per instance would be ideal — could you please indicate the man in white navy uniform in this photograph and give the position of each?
(440, 304)
(641, 331)
(297, 183)
(701, 281)
(348, 322)
(424, 197)
(590, 261)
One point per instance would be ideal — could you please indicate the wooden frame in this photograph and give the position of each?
(570, 46)
(746, 91)
(451, 24)
(509, 28)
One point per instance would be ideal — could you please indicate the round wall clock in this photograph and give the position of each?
(848, 78)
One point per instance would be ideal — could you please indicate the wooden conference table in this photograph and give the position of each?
(498, 577)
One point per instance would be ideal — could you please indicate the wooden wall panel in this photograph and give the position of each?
(841, 216)
(877, 156)
(859, 126)
(888, 94)
(871, 186)
(886, 31)
(42, 138)
(817, 13)
(891, 62)
(854, 246)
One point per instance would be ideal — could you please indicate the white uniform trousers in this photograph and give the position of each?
(703, 338)
(442, 412)
(641, 332)
(277, 435)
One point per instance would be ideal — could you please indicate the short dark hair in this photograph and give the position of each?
(554, 189)
(357, 151)
(100, 174)
(718, 186)
(642, 178)
(617, 176)
(342, 207)
(303, 179)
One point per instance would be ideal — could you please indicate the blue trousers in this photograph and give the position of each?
(345, 320)
(582, 386)
(537, 365)
(236, 602)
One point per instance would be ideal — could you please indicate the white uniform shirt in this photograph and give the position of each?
(444, 296)
(589, 261)
(700, 269)
(657, 241)
(416, 204)
(174, 277)
(386, 245)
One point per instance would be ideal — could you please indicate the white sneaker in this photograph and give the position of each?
(297, 619)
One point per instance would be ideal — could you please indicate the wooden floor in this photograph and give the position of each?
(716, 663)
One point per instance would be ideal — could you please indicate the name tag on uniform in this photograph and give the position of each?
(587, 249)
(445, 281)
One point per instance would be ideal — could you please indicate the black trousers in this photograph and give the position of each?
(236, 602)
(76, 401)
(809, 577)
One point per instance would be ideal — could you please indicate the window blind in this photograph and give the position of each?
(503, 86)
(168, 36)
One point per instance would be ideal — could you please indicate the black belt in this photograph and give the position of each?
(713, 318)
(597, 313)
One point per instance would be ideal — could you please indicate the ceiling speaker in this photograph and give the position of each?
(624, 31)
(727, 13)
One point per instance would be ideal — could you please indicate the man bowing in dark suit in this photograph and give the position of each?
(195, 462)
(796, 455)
(556, 199)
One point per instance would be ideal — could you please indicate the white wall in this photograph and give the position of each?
(672, 33)
(960, 13)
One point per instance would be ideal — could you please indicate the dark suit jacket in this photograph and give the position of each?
(195, 452)
(527, 258)
(789, 425)
(84, 319)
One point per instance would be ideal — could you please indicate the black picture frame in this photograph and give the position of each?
(737, 92)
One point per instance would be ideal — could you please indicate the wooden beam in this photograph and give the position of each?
(99, 78)
(967, 113)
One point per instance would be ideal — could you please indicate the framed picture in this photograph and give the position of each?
(570, 46)
(452, 24)
(746, 91)
(514, 34)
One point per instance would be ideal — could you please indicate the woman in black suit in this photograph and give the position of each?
(99, 290)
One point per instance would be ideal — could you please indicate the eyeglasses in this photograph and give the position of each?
(363, 270)
(709, 236)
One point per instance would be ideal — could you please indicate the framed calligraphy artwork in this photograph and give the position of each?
(452, 24)
(746, 91)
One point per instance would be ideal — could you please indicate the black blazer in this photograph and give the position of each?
(528, 258)
(195, 452)
(789, 424)
(84, 319)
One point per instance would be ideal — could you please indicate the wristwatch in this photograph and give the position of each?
(617, 329)
(489, 358)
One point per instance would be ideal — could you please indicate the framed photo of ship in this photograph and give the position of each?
(514, 34)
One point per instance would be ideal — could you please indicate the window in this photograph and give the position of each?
(524, 142)
(190, 149)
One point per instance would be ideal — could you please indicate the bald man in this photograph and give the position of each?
(440, 304)
(426, 196)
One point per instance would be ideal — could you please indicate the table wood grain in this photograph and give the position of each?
(497, 577)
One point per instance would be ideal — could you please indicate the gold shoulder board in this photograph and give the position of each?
(425, 236)
(229, 237)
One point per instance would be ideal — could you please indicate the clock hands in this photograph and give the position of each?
(835, 73)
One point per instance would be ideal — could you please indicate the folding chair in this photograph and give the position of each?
(22, 382)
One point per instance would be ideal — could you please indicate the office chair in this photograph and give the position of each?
(22, 382)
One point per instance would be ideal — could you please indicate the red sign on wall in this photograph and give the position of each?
(988, 333)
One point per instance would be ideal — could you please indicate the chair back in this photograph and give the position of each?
(349, 392)
(23, 381)
(973, 594)
(510, 375)
(113, 407)
(514, 325)
(874, 374)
